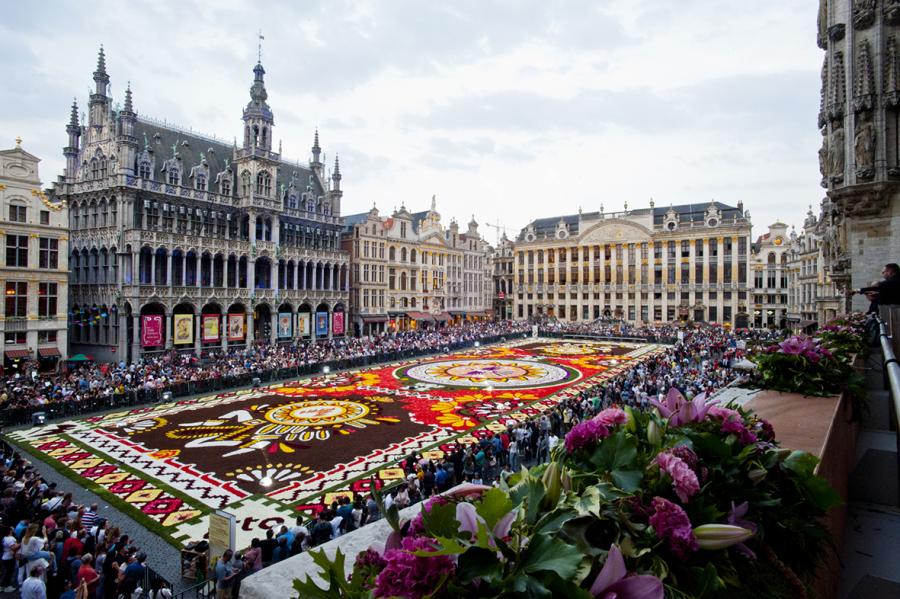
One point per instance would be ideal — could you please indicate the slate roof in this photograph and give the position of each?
(354, 219)
(160, 139)
(686, 213)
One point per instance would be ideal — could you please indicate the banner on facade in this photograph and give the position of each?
(184, 329)
(210, 327)
(321, 324)
(152, 330)
(235, 327)
(303, 324)
(337, 323)
(284, 325)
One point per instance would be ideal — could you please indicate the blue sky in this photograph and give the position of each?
(509, 110)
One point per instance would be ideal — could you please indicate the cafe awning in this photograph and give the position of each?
(17, 354)
(807, 323)
(48, 352)
(442, 317)
(421, 316)
(373, 318)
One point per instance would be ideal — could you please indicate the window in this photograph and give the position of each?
(46, 337)
(144, 170)
(225, 187)
(201, 182)
(17, 213)
(264, 183)
(45, 217)
(47, 300)
(246, 188)
(173, 176)
(49, 253)
(17, 251)
(16, 299)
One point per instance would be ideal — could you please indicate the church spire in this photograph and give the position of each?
(129, 107)
(101, 78)
(336, 175)
(258, 117)
(73, 116)
(316, 150)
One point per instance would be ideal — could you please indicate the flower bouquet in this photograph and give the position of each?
(802, 365)
(689, 500)
(843, 341)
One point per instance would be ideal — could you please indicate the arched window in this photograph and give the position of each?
(103, 213)
(95, 169)
(103, 168)
(112, 212)
(412, 256)
(402, 254)
(144, 169)
(263, 183)
(246, 188)
(392, 253)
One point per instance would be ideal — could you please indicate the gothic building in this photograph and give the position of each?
(684, 262)
(859, 118)
(179, 240)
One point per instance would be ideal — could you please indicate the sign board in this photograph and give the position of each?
(183, 329)
(303, 323)
(284, 325)
(221, 534)
(741, 344)
(236, 327)
(152, 330)
(210, 328)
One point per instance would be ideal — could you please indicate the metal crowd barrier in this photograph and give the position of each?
(891, 381)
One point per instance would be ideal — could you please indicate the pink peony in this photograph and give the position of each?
(585, 434)
(670, 522)
(684, 480)
(611, 417)
(410, 576)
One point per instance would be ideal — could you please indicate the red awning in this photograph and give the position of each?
(442, 317)
(420, 316)
(48, 352)
(17, 354)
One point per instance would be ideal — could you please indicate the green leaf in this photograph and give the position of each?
(441, 520)
(589, 502)
(801, 462)
(615, 452)
(530, 587)
(548, 554)
(479, 563)
(628, 480)
(447, 547)
(494, 505)
(530, 492)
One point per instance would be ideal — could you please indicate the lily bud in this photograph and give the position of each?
(566, 479)
(552, 483)
(783, 453)
(756, 475)
(630, 424)
(654, 434)
(720, 536)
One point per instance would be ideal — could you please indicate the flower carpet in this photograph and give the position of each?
(268, 454)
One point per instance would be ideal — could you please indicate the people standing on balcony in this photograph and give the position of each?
(885, 292)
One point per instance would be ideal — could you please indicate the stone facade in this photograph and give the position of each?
(812, 297)
(686, 262)
(503, 279)
(187, 241)
(859, 119)
(409, 271)
(34, 264)
(769, 269)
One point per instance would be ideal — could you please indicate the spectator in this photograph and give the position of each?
(34, 586)
(224, 575)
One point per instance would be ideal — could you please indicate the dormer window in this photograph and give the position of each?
(172, 175)
(144, 170)
(200, 182)
(225, 186)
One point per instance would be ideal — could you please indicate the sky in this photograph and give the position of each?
(505, 110)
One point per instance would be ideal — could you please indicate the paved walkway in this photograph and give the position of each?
(871, 551)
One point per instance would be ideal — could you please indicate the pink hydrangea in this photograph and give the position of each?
(585, 434)
(410, 576)
(745, 435)
(611, 417)
(684, 480)
(670, 522)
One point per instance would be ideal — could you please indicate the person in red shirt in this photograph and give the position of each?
(87, 573)
(73, 545)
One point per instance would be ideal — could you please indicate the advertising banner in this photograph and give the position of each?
(210, 327)
(284, 325)
(303, 324)
(337, 323)
(236, 327)
(321, 324)
(151, 330)
(183, 325)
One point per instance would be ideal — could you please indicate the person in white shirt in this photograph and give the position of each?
(34, 586)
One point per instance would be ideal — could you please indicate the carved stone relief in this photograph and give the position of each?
(892, 12)
(864, 85)
(863, 13)
(823, 160)
(891, 72)
(836, 156)
(838, 95)
(864, 149)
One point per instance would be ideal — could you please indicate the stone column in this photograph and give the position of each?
(153, 280)
(330, 327)
(225, 273)
(197, 331)
(251, 274)
(248, 334)
(135, 268)
(169, 270)
(170, 328)
(223, 324)
(720, 272)
(273, 337)
(183, 281)
(136, 338)
(275, 277)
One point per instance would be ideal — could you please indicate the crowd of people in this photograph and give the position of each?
(53, 546)
(107, 384)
